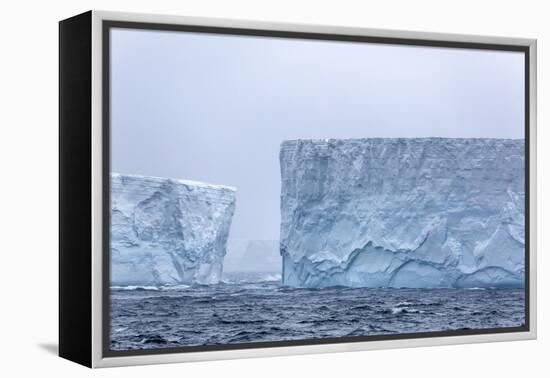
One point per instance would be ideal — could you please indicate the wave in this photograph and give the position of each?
(174, 287)
(404, 304)
(402, 310)
(271, 277)
(135, 287)
(233, 278)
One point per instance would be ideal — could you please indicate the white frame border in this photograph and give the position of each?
(97, 227)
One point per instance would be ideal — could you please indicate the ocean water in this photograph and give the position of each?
(256, 308)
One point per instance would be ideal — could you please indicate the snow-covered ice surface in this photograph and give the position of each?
(427, 212)
(168, 232)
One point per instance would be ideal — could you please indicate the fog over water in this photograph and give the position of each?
(215, 108)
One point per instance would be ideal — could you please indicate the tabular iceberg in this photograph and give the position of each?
(166, 231)
(427, 212)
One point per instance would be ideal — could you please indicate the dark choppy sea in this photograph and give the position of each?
(253, 308)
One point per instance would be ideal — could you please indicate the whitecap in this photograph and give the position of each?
(133, 287)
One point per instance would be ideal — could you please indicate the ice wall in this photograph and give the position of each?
(166, 231)
(431, 212)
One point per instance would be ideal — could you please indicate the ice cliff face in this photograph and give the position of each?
(166, 231)
(430, 212)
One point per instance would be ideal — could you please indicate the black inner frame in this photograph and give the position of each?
(106, 337)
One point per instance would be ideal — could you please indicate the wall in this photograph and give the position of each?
(28, 156)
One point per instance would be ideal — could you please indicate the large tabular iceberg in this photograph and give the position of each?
(166, 231)
(430, 212)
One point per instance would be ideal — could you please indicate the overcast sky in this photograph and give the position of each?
(215, 108)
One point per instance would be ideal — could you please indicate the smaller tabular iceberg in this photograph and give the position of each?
(166, 231)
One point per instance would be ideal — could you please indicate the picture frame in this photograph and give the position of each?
(85, 111)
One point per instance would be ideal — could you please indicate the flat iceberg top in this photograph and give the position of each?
(189, 183)
(413, 143)
(167, 231)
(399, 140)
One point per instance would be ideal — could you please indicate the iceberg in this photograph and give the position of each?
(418, 213)
(168, 232)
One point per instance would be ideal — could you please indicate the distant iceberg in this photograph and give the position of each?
(245, 255)
(428, 212)
(166, 231)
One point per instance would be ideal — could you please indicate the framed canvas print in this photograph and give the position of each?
(235, 189)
